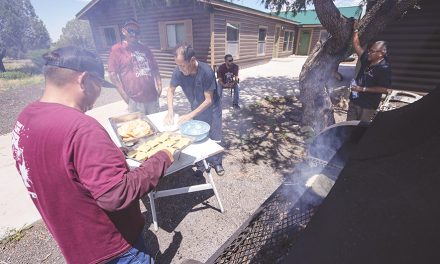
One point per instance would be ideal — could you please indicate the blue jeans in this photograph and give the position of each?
(135, 255)
(236, 96)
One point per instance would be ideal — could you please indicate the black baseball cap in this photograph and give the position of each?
(77, 59)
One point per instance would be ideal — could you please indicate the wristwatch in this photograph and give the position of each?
(364, 89)
(356, 30)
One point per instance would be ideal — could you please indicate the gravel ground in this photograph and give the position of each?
(263, 142)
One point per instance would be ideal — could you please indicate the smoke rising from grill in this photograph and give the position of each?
(327, 155)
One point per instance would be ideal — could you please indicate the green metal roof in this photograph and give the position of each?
(309, 17)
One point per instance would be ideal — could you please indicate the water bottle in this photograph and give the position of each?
(354, 94)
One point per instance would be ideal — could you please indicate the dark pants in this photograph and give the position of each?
(215, 133)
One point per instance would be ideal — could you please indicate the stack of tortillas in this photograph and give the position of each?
(169, 141)
(134, 129)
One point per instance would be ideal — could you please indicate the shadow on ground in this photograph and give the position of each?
(266, 131)
(172, 210)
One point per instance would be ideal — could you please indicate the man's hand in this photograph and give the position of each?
(184, 118)
(158, 87)
(169, 119)
(170, 152)
(357, 88)
(356, 25)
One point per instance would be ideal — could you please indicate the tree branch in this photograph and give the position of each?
(381, 15)
(335, 23)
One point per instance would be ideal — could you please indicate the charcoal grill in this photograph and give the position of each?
(270, 233)
(275, 227)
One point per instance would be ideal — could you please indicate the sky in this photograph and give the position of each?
(56, 13)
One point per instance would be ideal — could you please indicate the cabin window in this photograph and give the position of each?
(324, 35)
(232, 39)
(262, 32)
(110, 35)
(288, 41)
(173, 33)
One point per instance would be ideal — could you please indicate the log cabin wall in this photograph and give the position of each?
(205, 27)
(414, 48)
(316, 33)
(152, 17)
(249, 25)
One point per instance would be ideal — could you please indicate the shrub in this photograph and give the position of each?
(13, 75)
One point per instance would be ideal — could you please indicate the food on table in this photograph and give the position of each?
(171, 142)
(134, 129)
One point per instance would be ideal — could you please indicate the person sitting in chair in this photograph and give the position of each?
(227, 76)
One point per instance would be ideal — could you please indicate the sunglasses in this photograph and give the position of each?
(133, 31)
(373, 51)
(231, 60)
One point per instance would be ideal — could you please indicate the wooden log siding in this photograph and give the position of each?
(316, 33)
(116, 12)
(414, 49)
(248, 36)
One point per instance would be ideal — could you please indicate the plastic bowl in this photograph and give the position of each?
(199, 130)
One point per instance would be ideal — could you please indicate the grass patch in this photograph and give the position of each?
(20, 83)
(20, 74)
(13, 75)
(15, 235)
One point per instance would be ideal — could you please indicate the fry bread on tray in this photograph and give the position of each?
(164, 141)
(134, 129)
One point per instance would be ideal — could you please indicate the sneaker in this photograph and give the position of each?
(236, 106)
(219, 169)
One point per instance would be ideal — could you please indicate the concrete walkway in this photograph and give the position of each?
(276, 78)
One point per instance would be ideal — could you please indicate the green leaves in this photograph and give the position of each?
(77, 33)
(20, 28)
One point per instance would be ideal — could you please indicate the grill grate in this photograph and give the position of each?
(271, 232)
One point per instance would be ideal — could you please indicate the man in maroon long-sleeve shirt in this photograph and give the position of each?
(76, 176)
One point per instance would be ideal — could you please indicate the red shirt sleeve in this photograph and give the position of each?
(103, 171)
(113, 59)
(136, 183)
(98, 162)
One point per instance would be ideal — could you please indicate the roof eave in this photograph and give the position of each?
(247, 10)
(83, 11)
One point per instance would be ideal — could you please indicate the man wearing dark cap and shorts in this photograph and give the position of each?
(76, 176)
(134, 71)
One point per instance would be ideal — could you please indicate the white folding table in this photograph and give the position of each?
(195, 152)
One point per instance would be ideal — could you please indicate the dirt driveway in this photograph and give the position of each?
(263, 143)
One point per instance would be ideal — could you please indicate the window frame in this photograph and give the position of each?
(288, 46)
(262, 42)
(163, 36)
(117, 32)
(236, 56)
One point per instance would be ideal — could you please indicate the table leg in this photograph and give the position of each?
(153, 210)
(211, 181)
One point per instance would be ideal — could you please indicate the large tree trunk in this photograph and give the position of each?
(317, 107)
(325, 57)
(2, 55)
(319, 66)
